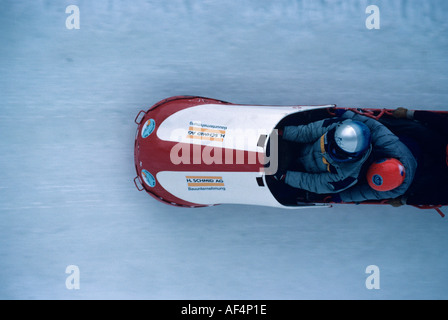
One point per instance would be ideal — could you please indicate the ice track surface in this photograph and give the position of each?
(68, 101)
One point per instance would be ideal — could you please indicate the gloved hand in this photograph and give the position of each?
(336, 198)
(339, 112)
(400, 113)
(333, 198)
(397, 202)
(280, 175)
(280, 132)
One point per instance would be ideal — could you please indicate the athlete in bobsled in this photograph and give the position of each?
(335, 153)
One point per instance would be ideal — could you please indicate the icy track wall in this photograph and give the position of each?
(69, 98)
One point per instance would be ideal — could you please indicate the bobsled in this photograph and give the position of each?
(192, 151)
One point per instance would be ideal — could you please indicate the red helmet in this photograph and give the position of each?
(386, 174)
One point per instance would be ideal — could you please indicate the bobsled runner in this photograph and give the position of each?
(194, 151)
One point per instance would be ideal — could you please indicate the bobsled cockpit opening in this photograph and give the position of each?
(287, 153)
(427, 143)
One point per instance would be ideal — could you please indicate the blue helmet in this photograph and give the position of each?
(348, 141)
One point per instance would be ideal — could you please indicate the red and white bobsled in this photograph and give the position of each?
(194, 151)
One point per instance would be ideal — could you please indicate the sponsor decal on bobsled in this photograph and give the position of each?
(148, 128)
(205, 183)
(203, 131)
(148, 178)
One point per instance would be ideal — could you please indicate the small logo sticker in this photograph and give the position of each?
(377, 180)
(148, 128)
(148, 178)
(203, 131)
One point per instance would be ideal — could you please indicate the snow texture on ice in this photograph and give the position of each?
(69, 98)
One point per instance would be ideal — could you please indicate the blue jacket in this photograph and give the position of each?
(324, 175)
